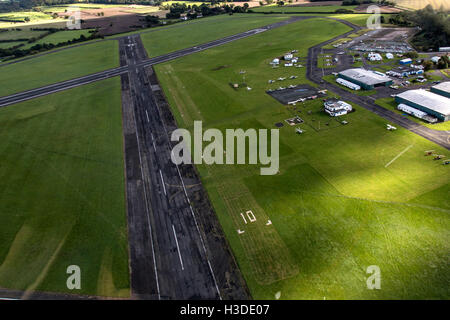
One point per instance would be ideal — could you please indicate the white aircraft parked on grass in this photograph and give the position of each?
(390, 128)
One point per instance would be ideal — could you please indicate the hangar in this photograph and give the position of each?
(434, 104)
(366, 79)
(442, 88)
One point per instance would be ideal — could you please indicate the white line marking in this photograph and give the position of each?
(162, 179)
(406, 149)
(242, 215)
(8, 299)
(148, 120)
(178, 248)
(182, 183)
(192, 211)
(148, 215)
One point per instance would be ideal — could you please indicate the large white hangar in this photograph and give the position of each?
(366, 79)
(433, 104)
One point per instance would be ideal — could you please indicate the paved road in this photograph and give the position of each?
(315, 74)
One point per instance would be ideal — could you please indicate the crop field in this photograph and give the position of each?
(21, 15)
(58, 66)
(62, 192)
(420, 4)
(346, 196)
(24, 33)
(62, 8)
(195, 32)
(6, 45)
(325, 9)
(60, 36)
(390, 104)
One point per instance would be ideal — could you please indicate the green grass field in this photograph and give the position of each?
(390, 104)
(24, 33)
(6, 45)
(346, 197)
(191, 33)
(287, 9)
(58, 66)
(60, 36)
(62, 192)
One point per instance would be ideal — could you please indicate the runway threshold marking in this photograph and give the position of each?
(178, 247)
(148, 120)
(399, 155)
(162, 179)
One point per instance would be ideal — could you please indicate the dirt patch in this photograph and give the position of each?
(384, 9)
(113, 20)
(220, 67)
(304, 3)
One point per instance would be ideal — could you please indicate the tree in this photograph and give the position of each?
(442, 64)
(427, 65)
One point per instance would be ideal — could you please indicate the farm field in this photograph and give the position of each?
(24, 33)
(17, 19)
(58, 66)
(62, 192)
(195, 32)
(420, 4)
(60, 36)
(343, 200)
(287, 9)
(390, 104)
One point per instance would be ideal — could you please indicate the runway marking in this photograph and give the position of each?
(399, 155)
(178, 248)
(148, 214)
(182, 183)
(190, 207)
(148, 120)
(204, 249)
(162, 179)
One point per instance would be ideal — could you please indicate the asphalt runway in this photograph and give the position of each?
(168, 259)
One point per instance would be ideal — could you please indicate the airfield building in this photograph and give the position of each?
(442, 88)
(433, 104)
(406, 61)
(366, 79)
(416, 113)
(336, 108)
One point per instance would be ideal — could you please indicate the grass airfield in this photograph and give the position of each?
(194, 32)
(344, 199)
(58, 66)
(62, 192)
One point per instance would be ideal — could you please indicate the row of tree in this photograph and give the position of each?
(16, 52)
(204, 9)
(434, 26)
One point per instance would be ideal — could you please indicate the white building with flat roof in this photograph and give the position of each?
(442, 88)
(434, 104)
(365, 78)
